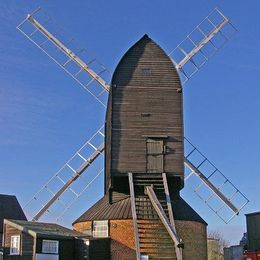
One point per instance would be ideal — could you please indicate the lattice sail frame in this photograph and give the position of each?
(201, 44)
(40, 28)
(61, 187)
(67, 53)
(211, 185)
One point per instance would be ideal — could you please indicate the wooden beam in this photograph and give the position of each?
(158, 208)
(171, 216)
(132, 193)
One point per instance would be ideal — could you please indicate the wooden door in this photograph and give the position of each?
(154, 148)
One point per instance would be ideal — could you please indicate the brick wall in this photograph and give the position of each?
(122, 240)
(122, 231)
(193, 234)
(83, 226)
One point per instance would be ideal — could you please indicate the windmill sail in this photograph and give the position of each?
(66, 53)
(60, 188)
(211, 185)
(203, 42)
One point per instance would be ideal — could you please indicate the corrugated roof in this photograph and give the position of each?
(103, 210)
(10, 208)
(43, 229)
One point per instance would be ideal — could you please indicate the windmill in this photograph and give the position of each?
(143, 190)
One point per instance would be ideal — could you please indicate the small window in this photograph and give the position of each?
(50, 246)
(147, 72)
(15, 245)
(100, 228)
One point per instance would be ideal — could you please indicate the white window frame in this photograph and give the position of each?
(15, 245)
(100, 228)
(49, 245)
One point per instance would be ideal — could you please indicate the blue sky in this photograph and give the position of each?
(45, 116)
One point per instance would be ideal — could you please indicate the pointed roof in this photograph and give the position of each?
(145, 53)
(10, 208)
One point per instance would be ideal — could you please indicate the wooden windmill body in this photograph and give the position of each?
(144, 125)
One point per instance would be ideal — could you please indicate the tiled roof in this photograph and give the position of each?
(103, 210)
(10, 208)
(43, 229)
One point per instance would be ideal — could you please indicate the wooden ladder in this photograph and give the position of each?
(155, 233)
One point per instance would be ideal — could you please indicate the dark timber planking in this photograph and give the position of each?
(26, 246)
(144, 102)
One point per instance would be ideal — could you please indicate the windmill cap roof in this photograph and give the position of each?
(145, 53)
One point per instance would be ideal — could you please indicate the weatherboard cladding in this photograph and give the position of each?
(144, 102)
(103, 210)
(27, 243)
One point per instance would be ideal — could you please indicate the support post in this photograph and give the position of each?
(159, 210)
(171, 216)
(137, 242)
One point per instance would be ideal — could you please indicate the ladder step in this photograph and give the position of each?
(153, 233)
(148, 182)
(153, 238)
(166, 241)
(146, 216)
(160, 228)
(147, 175)
(143, 213)
(151, 246)
(158, 254)
(147, 207)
